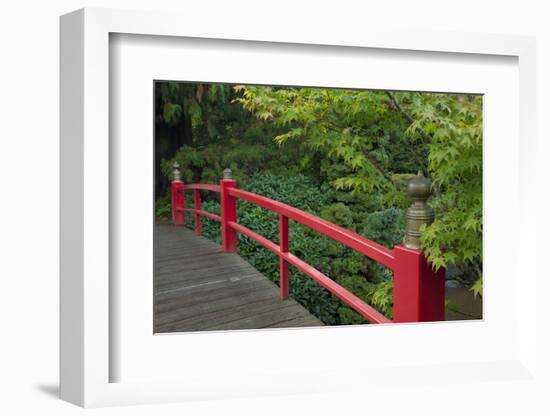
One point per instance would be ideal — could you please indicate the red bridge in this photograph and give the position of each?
(419, 291)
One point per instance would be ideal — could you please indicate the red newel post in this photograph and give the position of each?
(418, 290)
(283, 265)
(197, 215)
(229, 213)
(178, 197)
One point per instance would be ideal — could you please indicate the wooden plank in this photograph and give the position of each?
(199, 287)
(218, 315)
(204, 311)
(296, 322)
(210, 294)
(263, 319)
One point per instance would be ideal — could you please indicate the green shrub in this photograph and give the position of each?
(250, 159)
(338, 214)
(386, 227)
(378, 295)
(163, 208)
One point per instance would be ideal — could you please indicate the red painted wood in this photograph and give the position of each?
(229, 214)
(204, 187)
(198, 209)
(270, 245)
(360, 244)
(283, 265)
(342, 293)
(204, 214)
(418, 291)
(178, 202)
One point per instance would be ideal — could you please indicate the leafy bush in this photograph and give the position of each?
(338, 214)
(378, 295)
(301, 192)
(249, 158)
(163, 207)
(386, 227)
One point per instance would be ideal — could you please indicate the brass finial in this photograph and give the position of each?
(419, 213)
(176, 174)
(227, 174)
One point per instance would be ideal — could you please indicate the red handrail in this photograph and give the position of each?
(203, 186)
(359, 243)
(203, 213)
(415, 283)
(196, 187)
(340, 292)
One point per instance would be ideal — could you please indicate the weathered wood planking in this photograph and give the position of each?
(200, 288)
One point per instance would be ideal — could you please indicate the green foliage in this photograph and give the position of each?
(249, 159)
(386, 227)
(451, 306)
(354, 128)
(338, 214)
(369, 136)
(477, 287)
(397, 197)
(172, 113)
(346, 156)
(382, 297)
(163, 207)
(455, 160)
(379, 295)
(201, 104)
(298, 190)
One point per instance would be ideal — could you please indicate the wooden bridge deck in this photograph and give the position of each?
(200, 288)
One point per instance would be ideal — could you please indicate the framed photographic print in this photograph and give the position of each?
(239, 210)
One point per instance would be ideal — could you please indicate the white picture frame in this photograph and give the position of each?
(85, 219)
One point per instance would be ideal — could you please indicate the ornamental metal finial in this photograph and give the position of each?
(419, 213)
(227, 174)
(176, 174)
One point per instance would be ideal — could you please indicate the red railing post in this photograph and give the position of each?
(229, 213)
(198, 208)
(178, 197)
(283, 264)
(418, 290)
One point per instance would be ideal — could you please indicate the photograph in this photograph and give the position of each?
(299, 206)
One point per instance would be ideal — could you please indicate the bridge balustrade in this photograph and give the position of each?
(418, 290)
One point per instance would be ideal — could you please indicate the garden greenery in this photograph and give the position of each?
(344, 155)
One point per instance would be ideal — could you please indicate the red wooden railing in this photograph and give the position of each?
(418, 292)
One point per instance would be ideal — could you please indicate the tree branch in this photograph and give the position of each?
(382, 172)
(410, 120)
